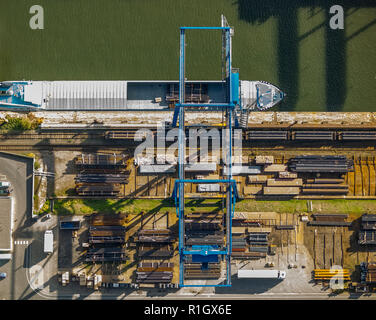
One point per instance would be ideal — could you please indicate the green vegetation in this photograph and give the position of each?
(45, 208)
(290, 206)
(288, 45)
(20, 124)
(80, 206)
(354, 208)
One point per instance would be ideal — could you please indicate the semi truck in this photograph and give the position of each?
(261, 274)
(48, 242)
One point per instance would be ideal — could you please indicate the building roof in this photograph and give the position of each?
(5, 223)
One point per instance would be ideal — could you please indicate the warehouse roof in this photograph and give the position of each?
(5, 223)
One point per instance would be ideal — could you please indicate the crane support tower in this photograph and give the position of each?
(229, 108)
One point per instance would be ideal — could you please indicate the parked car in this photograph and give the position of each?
(3, 275)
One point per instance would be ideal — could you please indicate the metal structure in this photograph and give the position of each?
(231, 87)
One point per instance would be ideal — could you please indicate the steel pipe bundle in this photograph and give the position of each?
(336, 164)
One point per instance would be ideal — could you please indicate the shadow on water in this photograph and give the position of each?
(335, 68)
(259, 11)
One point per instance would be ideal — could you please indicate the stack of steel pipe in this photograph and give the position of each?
(314, 135)
(106, 239)
(155, 235)
(325, 186)
(206, 237)
(100, 161)
(155, 250)
(98, 190)
(106, 254)
(258, 238)
(154, 277)
(106, 234)
(371, 273)
(101, 178)
(258, 243)
(239, 244)
(367, 237)
(195, 271)
(155, 266)
(99, 219)
(125, 134)
(337, 220)
(369, 222)
(248, 255)
(358, 135)
(268, 135)
(333, 164)
(191, 224)
(367, 234)
(154, 272)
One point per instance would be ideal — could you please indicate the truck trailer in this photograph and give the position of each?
(48, 241)
(261, 274)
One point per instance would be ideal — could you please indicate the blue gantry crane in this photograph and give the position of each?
(229, 107)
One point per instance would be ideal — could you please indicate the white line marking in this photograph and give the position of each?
(19, 242)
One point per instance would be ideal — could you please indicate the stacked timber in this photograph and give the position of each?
(274, 168)
(281, 191)
(287, 175)
(284, 183)
(252, 190)
(258, 179)
(264, 160)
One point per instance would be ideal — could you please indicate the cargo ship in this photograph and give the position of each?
(128, 95)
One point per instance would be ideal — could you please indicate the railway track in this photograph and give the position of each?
(56, 136)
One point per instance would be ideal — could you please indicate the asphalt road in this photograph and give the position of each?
(19, 172)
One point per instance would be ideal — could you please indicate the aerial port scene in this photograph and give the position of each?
(187, 150)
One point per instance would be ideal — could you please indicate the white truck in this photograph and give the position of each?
(261, 274)
(48, 241)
